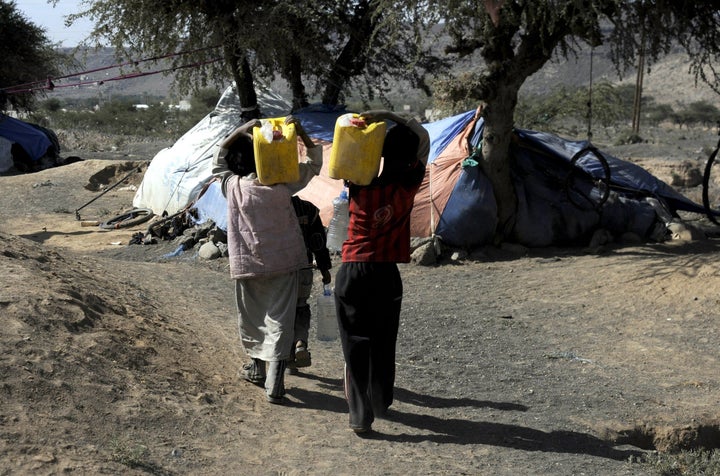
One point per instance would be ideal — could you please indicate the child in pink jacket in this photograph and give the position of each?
(266, 251)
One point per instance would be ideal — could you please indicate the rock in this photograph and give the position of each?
(688, 176)
(209, 251)
(599, 238)
(217, 235)
(187, 242)
(424, 255)
(684, 232)
(416, 242)
(458, 255)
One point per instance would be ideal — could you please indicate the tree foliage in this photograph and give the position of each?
(319, 47)
(698, 112)
(27, 56)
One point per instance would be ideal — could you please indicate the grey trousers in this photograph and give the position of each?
(266, 315)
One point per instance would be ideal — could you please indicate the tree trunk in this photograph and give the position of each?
(497, 163)
(299, 96)
(244, 84)
(637, 102)
(353, 56)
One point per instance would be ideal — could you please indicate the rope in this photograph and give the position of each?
(49, 83)
(177, 186)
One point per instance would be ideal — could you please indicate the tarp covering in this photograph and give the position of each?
(32, 139)
(454, 192)
(456, 201)
(6, 159)
(177, 174)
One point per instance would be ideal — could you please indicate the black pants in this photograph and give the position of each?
(368, 298)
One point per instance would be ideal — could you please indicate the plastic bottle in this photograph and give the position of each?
(338, 228)
(327, 327)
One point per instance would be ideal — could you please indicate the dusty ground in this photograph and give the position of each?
(116, 360)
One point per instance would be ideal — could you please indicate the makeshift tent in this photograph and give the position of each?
(455, 202)
(177, 174)
(32, 147)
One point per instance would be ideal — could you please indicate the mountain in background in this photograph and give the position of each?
(668, 81)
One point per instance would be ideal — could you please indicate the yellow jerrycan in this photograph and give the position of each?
(276, 151)
(356, 149)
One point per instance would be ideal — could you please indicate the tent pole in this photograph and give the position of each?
(77, 210)
(589, 103)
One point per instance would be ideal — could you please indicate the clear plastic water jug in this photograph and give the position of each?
(338, 228)
(327, 326)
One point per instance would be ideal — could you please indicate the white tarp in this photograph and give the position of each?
(212, 205)
(177, 174)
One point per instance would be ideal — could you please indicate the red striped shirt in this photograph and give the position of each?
(379, 226)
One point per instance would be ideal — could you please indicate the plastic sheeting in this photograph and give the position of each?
(33, 140)
(177, 174)
(456, 201)
(212, 205)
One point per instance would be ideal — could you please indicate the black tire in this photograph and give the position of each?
(578, 175)
(711, 189)
(133, 217)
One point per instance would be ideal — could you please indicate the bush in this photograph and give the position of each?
(628, 137)
(698, 112)
(609, 105)
(51, 105)
(657, 113)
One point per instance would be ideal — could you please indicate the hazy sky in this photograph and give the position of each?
(52, 19)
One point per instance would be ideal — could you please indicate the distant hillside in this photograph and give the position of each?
(667, 82)
(151, 86)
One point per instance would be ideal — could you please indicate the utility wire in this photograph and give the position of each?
(49, 83)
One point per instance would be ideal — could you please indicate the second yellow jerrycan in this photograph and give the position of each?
(356, 149)
(276, 152)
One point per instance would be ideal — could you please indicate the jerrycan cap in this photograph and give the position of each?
(358, 122)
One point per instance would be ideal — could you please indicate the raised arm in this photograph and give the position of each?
(312, 164)
(424, 138)
(220, 167)
(300, 131)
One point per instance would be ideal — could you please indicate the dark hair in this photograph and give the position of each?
(241, 156)
(399, 150)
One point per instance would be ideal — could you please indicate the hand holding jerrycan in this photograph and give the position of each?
(356, 149)
(276, 152)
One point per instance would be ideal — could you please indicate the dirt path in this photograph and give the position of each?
(115, 359)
